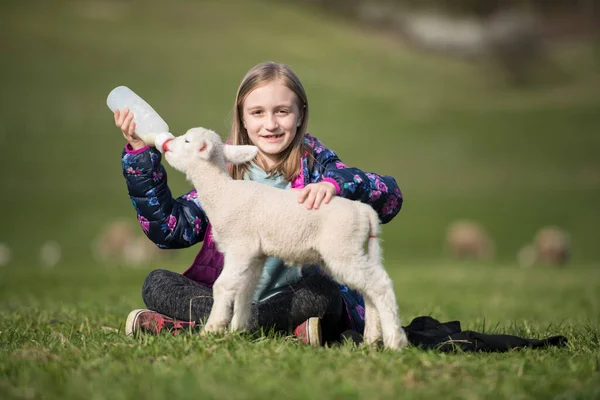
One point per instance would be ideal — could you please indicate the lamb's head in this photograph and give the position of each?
(200, 145)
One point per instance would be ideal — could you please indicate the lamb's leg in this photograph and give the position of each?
(372, 323)
(242, 306)
(225, 290)
(381, 291)
(375, 284)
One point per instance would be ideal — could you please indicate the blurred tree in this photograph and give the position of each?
(510, 33)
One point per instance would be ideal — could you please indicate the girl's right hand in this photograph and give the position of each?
(123, 121)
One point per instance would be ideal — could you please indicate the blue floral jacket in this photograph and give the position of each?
(173, 223)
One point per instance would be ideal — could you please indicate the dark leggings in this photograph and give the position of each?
(176, 296)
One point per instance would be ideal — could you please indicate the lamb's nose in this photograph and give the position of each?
(165, 145)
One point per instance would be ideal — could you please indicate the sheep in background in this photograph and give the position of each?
(119, 243)
(111, 242)
(551, 246)
(527, 256)
(251, 221)
(5, 254)
(50, 254)
(142, 251)
(469, 240)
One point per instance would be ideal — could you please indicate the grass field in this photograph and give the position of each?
(61, 336)
(460, 142)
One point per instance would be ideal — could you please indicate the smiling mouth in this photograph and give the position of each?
(272, 136)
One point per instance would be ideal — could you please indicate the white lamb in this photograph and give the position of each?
(252, 221)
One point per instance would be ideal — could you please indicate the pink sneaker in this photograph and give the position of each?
(309, 332)
(153, 322)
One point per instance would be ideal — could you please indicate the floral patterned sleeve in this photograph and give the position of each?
(379, 191)
(169, 222)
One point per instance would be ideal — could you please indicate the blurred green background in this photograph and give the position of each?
(461, 140)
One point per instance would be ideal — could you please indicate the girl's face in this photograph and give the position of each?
(271, 117)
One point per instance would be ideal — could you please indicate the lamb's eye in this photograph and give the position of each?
(186, 141)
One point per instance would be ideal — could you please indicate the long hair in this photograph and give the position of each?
(260, 75)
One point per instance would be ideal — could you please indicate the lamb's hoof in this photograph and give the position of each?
(214, 328)
(372, 337)
(399, 342)
(377, 344)
(373, 341)
(239, 328)
(403, 340)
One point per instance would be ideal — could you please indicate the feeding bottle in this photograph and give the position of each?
(148, 124)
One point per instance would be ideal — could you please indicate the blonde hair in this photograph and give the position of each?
(260, 75)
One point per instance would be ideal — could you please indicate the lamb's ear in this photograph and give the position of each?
(239, 154)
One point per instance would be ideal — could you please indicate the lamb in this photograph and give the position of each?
(252, 221)
(466, 239)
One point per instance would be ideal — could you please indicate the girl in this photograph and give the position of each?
(271, 112)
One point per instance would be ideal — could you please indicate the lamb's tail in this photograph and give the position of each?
(374, 245)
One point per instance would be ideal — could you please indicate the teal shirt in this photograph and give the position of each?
(275, 275)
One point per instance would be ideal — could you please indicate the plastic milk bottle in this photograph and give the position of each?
(148, 124)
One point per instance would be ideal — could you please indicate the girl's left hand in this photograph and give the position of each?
(312, 195)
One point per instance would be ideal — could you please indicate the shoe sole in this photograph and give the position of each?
(313, 328)
(131, 320)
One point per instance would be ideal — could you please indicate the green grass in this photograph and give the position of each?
(461, 143)
(61, 336)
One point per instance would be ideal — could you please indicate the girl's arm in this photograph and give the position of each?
(380, 192)
(168, 222)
